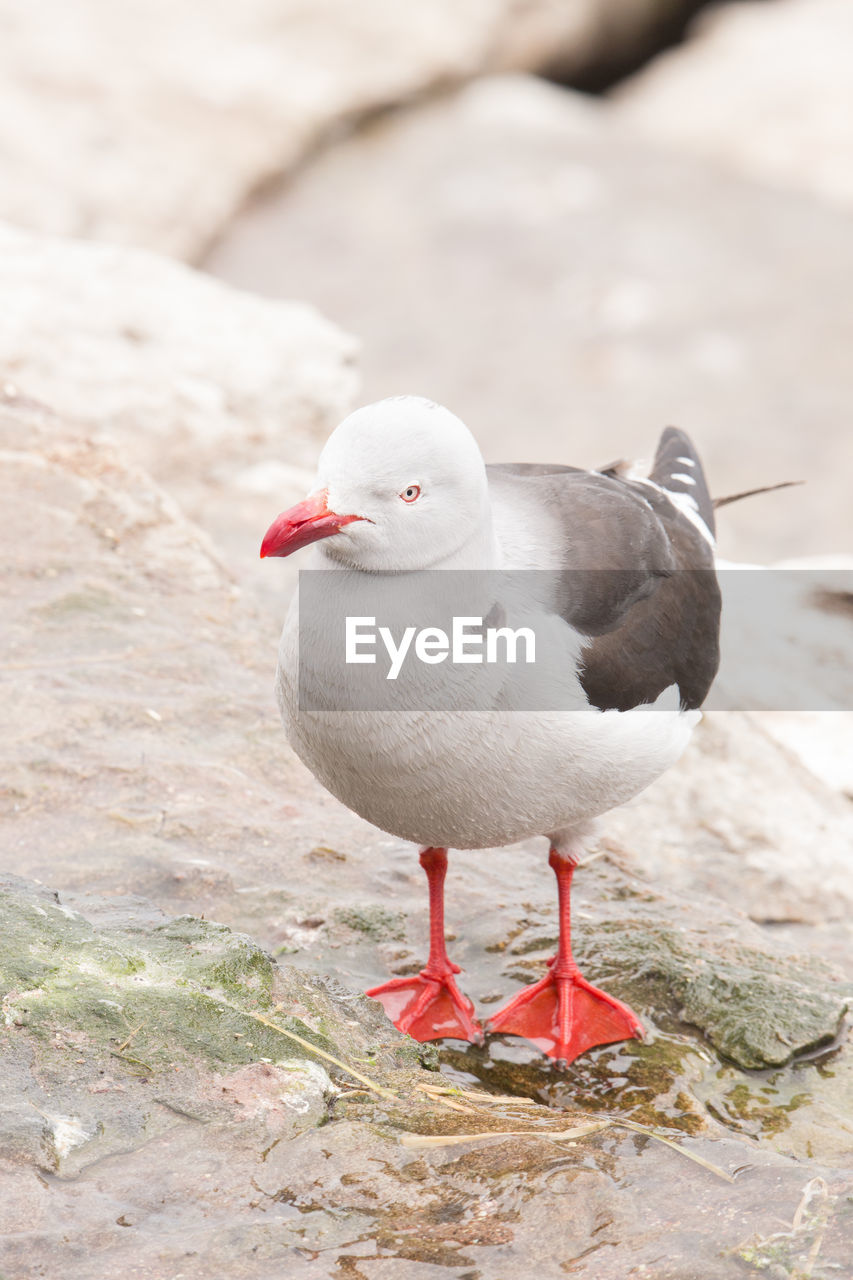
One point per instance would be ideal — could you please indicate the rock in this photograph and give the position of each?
(734, 819)
(559, 284)
(787, 655)
(823, 630)
(823, 742)
(198, 384)
(351, 1195)
(763, 90)
(142, 759)
(149, 124)
(108, 1011)
(587, 44)
(172, 1138)
(760, 1005)
(786, 640)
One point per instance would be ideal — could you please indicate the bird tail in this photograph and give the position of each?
(677, 468)
(677, 464)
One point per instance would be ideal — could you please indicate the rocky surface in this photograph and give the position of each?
(761, 89)
(751, 809)
(142, 756)
(156, 1114)
(224, 397)
(514, 253)
(120, 537)
(192, 1084)
(99, 1007)
(149, 123)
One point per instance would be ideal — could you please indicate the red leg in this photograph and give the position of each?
(429, 1005)
(563, 1014)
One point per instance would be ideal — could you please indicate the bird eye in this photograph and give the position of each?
(412, 493)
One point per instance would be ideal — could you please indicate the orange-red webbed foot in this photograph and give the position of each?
(429, 1006)
(564, 1015)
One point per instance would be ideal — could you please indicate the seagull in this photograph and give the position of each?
(633, 611)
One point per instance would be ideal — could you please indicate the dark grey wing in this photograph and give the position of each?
(670, 638)
(639, 578)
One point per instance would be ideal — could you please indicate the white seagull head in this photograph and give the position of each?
(401, 485)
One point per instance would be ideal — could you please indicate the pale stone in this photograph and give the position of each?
(512, 252)
(741, 818)
(822, 740)
(149, 122)
(194, 381)
(764, 89)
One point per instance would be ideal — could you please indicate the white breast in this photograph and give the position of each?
(478, 779)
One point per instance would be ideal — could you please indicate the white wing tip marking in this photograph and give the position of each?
(689, 508)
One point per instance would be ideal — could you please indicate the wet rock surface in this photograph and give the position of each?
(191, 1162)
(757, 1005)
(558, 282)
(96, 1014)
(146, 773)
(176, 1141)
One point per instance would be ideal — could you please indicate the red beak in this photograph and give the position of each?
(307, 522)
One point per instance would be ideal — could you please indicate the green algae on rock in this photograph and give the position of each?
(757, 1005)
(374, 921)
(107, 1031)
(58, 970)
(190, 987)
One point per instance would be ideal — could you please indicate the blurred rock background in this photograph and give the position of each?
(582, 269)
(573, 221)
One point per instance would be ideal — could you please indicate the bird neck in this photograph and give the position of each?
(479, 551)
